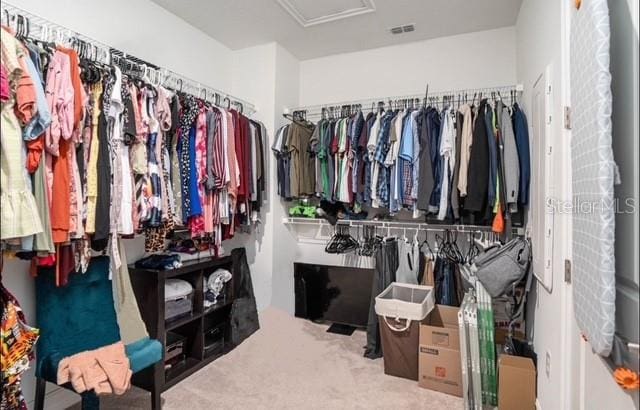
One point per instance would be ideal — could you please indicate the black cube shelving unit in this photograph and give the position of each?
(148, 286)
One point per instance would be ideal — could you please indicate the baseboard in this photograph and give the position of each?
(57, 398)
(538, 406)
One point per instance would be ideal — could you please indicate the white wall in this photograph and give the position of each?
(268, 76)
(284, 243)
(481, 59)
(254, 78)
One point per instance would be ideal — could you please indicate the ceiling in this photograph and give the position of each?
(245, 23)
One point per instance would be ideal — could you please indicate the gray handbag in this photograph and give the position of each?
(501, 268)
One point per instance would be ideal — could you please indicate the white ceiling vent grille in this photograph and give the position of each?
(403, 29)
(312, 12)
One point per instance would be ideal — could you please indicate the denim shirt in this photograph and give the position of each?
(41, 121)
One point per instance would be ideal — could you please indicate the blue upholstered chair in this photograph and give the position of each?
(79, 317)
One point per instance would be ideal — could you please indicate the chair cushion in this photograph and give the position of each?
(143, 353)
(79, 317)
(74, 318)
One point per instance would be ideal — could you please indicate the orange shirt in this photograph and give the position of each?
(60, 194)
(34, 153)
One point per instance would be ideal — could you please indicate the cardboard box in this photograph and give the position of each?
(439, 352)
(516, 383)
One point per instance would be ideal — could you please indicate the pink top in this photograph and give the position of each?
(163, 113)
(5, 90)
(234, 169)
(135, 102)
(60, 95)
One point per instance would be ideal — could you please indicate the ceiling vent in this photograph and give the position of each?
(407, 28)
(312, 12)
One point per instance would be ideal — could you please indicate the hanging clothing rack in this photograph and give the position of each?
(453, 96)
(45, 30)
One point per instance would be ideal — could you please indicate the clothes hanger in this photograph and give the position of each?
(426, 243)
(22, 28)
(426, 96)
(7, 18)
(202, 95)
(297, 117)
(473, 249)
(438, 245)
(456, 249)
(349, 243)
(370, 241)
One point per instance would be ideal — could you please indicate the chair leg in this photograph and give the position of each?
(156, 391)
(41, 389)
(156, 399)
(90, 401)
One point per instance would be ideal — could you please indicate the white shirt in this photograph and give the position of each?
(447, 152)
(465, 147)
(373, 137)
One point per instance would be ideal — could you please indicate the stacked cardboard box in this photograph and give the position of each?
(439, 352)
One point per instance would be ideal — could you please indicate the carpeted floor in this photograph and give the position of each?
(291, 364)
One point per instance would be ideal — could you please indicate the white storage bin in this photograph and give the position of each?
(405, 301)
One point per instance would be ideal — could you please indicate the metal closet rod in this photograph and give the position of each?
(312, 110)
(398, 225)
(47, 30)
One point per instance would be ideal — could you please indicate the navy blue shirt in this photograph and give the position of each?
(521, 131)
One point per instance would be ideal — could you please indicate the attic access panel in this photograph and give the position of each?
(313, 12)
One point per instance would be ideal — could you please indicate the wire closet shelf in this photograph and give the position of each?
(459, 96)
(40, 28)
(400, 225)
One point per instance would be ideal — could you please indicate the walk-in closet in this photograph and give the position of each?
(337, 204)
